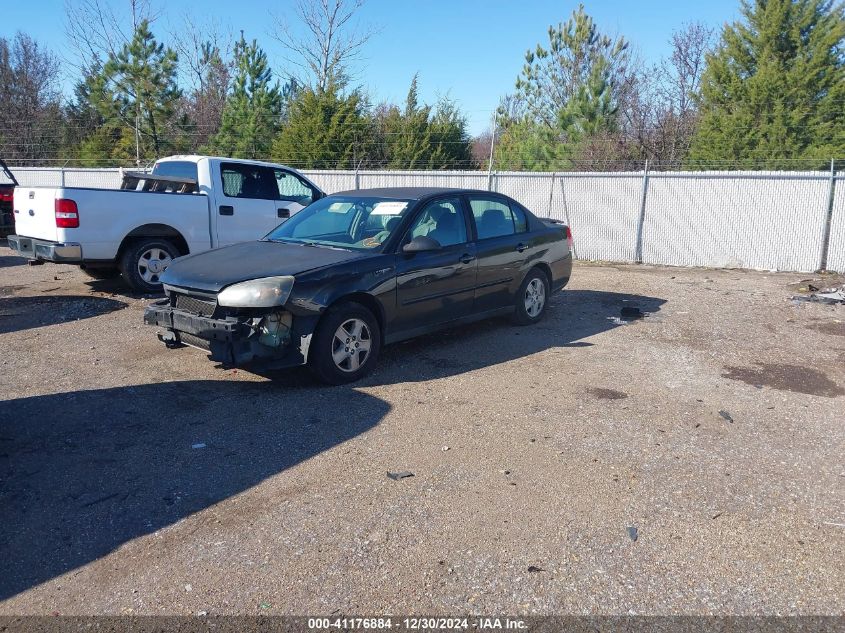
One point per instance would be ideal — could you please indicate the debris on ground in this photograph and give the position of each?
(533, 569)
(198, 445)
(831, 296)
(631, 312)
(633, 533)
(400, 475)
(726, 416)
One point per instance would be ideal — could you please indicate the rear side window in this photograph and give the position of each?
(495, 218)
(176, 169)
(248, 181)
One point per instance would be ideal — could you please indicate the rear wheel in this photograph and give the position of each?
(346, 344)
(105, 272)
(144, 261)
(532, 297)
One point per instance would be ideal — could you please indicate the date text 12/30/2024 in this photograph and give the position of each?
(417, 624)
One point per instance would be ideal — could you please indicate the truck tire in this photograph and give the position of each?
(345, 345)
(144, 260)
(104, 272)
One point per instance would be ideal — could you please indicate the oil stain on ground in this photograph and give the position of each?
(793, 378)
(608, 394)
(836, 328)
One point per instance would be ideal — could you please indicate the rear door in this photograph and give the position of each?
(35, 212)
(502, 248)
(436, 286)
(246, 202)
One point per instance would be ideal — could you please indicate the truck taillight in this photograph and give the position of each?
(568, 233)
(6, 196)
(67, 214)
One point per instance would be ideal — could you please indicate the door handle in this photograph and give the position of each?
(521, 247)
(227, 210)
(466, 258)
(283, 213)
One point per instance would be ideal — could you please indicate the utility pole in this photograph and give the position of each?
(492, 149)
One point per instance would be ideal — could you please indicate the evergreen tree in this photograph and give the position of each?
(451, 139)
(775, 87)
(324, 130)
(407, 133)
(136, 93)
(253, 112)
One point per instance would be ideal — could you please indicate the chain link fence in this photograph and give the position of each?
(760, 220)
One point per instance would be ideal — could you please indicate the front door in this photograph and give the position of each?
(247, 209)
(436, 286)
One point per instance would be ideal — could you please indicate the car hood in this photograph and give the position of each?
(212, 271)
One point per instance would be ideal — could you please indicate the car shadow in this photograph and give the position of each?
(23, 313)
(83, 472)
(572, 317)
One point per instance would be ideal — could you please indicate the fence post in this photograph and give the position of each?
(551, 193)
(63, 176)
(641, 221)
(828, 216)
(357, 178)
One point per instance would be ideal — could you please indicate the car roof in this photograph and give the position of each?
(406, 193)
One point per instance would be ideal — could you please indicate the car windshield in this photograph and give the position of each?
(343, 222)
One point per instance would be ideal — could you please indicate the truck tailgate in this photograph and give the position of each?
(35, 212)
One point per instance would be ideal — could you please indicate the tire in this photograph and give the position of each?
(532, 298)
(345, 324)
(106, 272)
(144, 260)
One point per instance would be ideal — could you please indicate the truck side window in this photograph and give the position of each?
(241, 180)
(292, 188)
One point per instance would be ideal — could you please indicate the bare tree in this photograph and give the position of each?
(330, 44)
(664, 111)
(30, 119)
(96, 31)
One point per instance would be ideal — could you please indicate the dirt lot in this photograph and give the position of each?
(134, 479)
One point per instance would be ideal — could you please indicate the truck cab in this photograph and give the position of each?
(187, 204)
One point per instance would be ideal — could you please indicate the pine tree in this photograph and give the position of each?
(568, 95)
(324, 130)
(253, 112)
(775, 87)
(407, 133)
(137, 92)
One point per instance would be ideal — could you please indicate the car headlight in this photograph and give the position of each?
(257, 293)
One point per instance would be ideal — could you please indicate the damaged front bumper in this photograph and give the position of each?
(273, 340)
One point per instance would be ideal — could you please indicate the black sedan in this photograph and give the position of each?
(360, 269)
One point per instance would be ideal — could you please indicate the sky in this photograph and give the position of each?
(470, 50)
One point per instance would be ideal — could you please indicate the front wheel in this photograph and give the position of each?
(144, 261)
(346, 344)
(531, 298)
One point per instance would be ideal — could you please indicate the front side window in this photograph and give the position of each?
(292, 188)
(241, 180)
(443, 221)
(346, 222)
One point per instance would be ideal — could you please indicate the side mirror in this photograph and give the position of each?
(421, 244)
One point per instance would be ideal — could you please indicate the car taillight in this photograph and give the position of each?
(67, 214)
(568, 233)
(6, 196)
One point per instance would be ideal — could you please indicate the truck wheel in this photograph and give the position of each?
(345, 345)
(143, 262)
(105, 272)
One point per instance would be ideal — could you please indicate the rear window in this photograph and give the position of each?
(176, 169)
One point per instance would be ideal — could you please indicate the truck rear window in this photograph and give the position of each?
(176, 169)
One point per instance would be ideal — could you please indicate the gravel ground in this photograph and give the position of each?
(135, 479)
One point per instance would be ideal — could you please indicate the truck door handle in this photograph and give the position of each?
(283, 213)
(466, 258)
(521, 247)
(227, 210)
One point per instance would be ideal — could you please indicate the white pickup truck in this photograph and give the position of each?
(188, 204)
